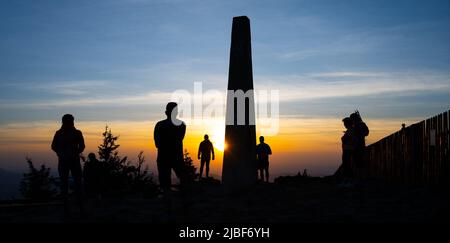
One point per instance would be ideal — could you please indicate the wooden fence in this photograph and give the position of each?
(417, 154)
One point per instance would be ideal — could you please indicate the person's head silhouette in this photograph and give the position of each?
(206, 137)
(347, 122)
(261, 139)
(356, 117)
(171, 110)
(68, 121)
(92, 157)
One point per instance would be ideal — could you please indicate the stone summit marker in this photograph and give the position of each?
(239, 159)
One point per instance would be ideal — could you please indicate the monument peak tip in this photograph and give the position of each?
(241, 17)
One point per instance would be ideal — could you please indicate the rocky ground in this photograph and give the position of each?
(290, 200)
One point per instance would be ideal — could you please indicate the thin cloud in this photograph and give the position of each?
(350, 43)
(150, 98)
(350, 84)
(346, 74)
(291, 88)
(70, 88)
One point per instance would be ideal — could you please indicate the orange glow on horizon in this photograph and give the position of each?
(300, 143)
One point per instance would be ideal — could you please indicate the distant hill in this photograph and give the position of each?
(9, 184)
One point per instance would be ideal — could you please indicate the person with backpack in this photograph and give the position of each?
(68, 144)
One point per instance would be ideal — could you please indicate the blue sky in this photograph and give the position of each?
(56, 55)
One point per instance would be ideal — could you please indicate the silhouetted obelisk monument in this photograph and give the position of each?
(239, 160)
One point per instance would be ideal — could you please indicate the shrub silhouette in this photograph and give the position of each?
(141, 179)
(120, 175)
(190, 169)
(37, 184)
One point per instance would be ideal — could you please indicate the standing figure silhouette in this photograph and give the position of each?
(205, 150)
(360, 131)
(93, 175)
(68, 144)
(168, 135)
(348, 141)
(262, 152)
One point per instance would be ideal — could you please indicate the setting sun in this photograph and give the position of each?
(218, 138)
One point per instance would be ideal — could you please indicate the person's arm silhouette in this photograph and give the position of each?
(212, 151)
(257, 151)
(81, 145)
(199, 150)
(183, 130)
(55, 143)
(156, 135)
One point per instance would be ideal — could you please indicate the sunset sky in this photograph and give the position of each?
(117, 62)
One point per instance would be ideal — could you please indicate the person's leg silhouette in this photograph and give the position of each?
(75, 169)
(63, 170)
(207, 168)
(202, 164)
(164, 176)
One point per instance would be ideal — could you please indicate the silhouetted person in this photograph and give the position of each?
(360, 131)
(348, 141)
(262, 153)
(168, 135)
(93, 176)
(205, 150)
(68, 143)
